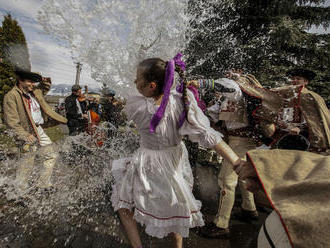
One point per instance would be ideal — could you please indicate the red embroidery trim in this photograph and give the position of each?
(25, 102)
(167, 218)
(162, 218)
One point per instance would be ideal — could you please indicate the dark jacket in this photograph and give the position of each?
(74, 118)
(108, 110)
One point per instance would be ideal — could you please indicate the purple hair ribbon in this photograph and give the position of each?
(169, 78)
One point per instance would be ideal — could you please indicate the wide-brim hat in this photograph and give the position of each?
(26, 74)
(305, 73)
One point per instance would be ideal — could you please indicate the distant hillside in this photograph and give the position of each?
(65, 89)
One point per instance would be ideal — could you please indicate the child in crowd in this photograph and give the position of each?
(157, 181)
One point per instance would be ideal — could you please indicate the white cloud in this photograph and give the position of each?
(27, 8)
(46, 55)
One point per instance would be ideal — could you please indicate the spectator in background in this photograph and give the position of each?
(95, 106)
(75, 112)
(108, 106)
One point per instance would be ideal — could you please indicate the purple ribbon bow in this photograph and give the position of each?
(169, 78)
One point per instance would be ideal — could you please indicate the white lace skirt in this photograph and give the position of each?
(157, 184)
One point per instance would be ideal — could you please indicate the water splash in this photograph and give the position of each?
(80, 199)
(112, 36)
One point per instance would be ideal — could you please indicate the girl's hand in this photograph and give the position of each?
(193, 83)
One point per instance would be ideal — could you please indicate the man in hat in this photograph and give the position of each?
(108, 104)
(298, 112)
(75, 112)
(295, 182)
(25, 111)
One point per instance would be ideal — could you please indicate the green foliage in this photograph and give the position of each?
(13, 47)
(54, 133)
(265, 38)
(211, 49)
(13, 52)
(322, 88)
(7, 79)
(6, 141)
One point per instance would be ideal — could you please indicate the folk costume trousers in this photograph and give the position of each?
(228, 180)
(45, 155)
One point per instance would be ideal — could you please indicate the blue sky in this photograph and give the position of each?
(49, 56)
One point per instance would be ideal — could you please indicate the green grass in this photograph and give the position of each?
(54, 133)
(5, 140)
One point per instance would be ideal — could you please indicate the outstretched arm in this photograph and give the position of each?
(227, 153)
(45, 85)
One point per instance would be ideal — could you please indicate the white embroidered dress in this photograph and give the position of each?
(157, 180)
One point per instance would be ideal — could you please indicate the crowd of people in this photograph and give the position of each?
(277, 140)
(83, 112)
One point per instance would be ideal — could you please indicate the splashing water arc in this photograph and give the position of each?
(112, 36)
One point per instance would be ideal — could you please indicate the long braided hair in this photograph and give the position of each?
(184, 92)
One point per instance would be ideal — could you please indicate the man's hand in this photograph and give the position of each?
(234, 73)
(85, 116)
(31, 139)
(246, 172)
(294, 130)
(282, 124)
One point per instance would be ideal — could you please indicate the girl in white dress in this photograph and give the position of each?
(154, 186)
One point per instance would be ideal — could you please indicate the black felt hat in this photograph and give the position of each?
(27, 74)
(75, 88)
(308, 74)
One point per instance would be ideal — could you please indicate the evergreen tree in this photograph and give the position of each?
(13, 52)
(269, 36)
(211, 49)
(13, 47)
